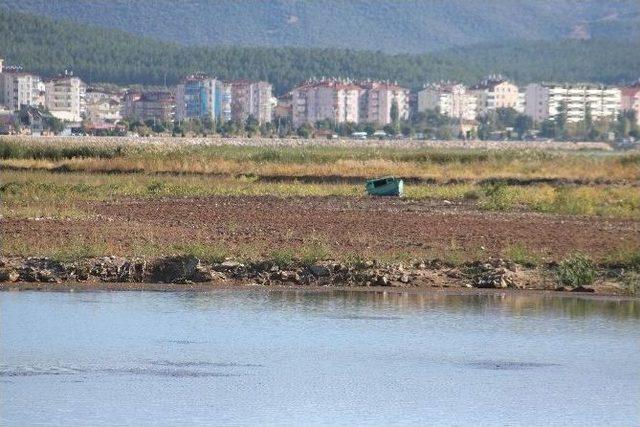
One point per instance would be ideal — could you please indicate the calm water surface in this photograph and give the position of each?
(302, 358)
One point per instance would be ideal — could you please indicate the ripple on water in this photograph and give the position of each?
(205, 364)
(156, 368)
(365, 317)
(506, 365)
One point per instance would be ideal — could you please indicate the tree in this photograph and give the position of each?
(252, 126)
(627, 124)
(390, 129)
(208, 124)
(506, 117)
(522, 125)
(560, 120)
(548, 129)
(395, 114)
(369, 129)
(305, 131)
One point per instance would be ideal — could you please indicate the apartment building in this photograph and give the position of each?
(452, 99)
(630, 98)
(199, 96)
(65, 97)
(334, 100)
(543, 99)
(377, 98)
(348, 101)
(496, 92)
(251, 98)
(151, 105)
(18, 89)
(103, 107)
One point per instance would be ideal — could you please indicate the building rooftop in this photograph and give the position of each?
(348, 84)
(489, 82)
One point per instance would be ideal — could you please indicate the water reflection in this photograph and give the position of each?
(325, 302)
(274, 357)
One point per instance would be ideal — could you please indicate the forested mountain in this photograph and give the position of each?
(387, 25)
(98, 55)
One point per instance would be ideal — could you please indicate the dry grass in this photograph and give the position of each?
(35, 194)
(319, 161)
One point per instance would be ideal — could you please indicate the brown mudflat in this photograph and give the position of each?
(369, 227)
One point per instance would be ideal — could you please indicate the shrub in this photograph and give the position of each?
(282, 257)
(497, 197)
(211, 253)
(522, 255)
(577, 270)
(472, 195)
(314, 251)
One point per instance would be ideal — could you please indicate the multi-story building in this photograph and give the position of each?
(631, 98)
(103, 107)
(18, 89)
(283, 107)
(452, 99)
(543, 99)
(496, 92)
(251, 98)
(377, 99)
(334, 100)
(199, 96)
(65, 97)
(152, 105)
(343, 101)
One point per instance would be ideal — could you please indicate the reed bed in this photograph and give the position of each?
(435, 164)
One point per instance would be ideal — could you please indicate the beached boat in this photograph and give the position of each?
(387, 186)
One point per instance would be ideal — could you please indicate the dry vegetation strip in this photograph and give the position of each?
(73, 200)
(439, 165)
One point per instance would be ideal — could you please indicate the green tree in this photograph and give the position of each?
(548, 129)
(369, 129)
(305, 131)
(522, 125)
(560, 120)
(395, 114)
(252, 126)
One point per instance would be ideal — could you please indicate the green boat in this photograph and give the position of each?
(387, 186)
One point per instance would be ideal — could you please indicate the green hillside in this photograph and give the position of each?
(97, 55)
(387, 25)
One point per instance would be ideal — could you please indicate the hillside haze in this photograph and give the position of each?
(387, 25)
(48, 47)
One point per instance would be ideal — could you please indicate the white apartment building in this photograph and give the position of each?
(65, 97)
(17, 89)
(452, 100)
(377, 98)
(103, 107)
(543, 99)
(496, 92)
(333, 100)
(251, 98)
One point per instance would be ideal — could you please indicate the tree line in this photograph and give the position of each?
(48, 47)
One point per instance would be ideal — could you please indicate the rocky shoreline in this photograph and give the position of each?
(183, 272)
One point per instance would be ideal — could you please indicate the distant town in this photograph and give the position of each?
(494, 108)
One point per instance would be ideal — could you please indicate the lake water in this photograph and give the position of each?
(255, 357)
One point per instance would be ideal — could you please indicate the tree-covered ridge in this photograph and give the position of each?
(48, 47)
(387, 25)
